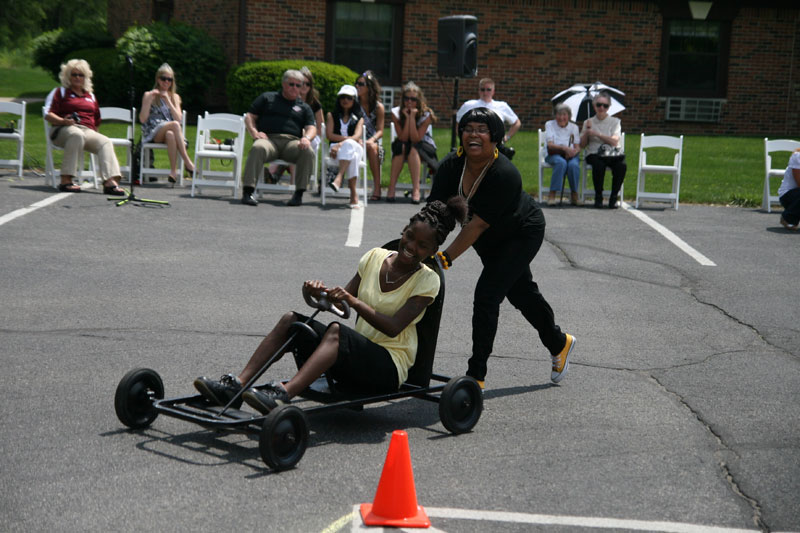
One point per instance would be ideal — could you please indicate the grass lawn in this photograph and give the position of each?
(25, 82)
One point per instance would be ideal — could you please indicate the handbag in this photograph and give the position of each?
(611, 153)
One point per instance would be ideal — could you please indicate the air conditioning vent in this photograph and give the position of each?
(694, 109)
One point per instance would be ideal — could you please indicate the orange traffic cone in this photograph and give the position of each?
(395, 502)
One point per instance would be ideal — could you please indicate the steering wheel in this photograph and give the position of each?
(323, 304)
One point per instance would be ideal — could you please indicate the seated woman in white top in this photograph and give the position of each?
(343, 129)
(599, 130)
(563, 143)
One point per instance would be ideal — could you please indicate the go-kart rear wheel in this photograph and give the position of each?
(461, 404)
(284, 437)
(133, 400)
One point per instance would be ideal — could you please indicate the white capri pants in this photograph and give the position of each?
(350, 150)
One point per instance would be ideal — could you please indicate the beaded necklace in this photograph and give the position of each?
(477, 181)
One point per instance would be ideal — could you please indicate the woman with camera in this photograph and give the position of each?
(604, 131)
(161, 116)
(73, 111)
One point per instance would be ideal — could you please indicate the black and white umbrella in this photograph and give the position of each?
(579, 99)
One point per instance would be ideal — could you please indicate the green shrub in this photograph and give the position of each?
(50, 48)
(248, 80)
(194, 56)
(109, 75)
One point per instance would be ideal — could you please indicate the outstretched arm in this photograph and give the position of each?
(467, 236)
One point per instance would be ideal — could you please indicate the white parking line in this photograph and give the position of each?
(591, 522)
(671, 237)
(33, 207)
(356, 229)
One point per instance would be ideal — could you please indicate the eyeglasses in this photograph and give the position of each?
(306, 84)
(480, 131)
(77, 75)
(361, 84)
(166, 78)
(410, 99)
(293, 84)
(345, 96)
(486, 89)
(601, 105)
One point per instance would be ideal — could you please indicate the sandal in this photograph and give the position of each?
(113, 190)
(172, 179)
(390, 199)
(69, 187)
(375, 198)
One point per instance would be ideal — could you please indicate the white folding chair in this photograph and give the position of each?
(659, 141)
(425, 180)
(542, 163)
(147, 168)
(54, 174)
(119, 114)
(778, 145)
(17, 134)
(587, 189)
(206, 149)
(327, 161)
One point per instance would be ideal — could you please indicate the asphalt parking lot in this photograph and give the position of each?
(680, 412)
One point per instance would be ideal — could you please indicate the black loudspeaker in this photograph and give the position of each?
(457, 52)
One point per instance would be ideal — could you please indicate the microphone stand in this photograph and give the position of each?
(131, 196)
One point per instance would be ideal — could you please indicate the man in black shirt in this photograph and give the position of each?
(283, 127)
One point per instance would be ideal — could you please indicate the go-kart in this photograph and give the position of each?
(284, 432)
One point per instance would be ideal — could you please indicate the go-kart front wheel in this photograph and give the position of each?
(284, 437)
(461, 404)
(133, 400)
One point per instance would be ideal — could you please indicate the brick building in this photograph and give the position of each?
(716, 67)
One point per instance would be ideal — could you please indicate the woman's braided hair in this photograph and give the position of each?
(442, 217)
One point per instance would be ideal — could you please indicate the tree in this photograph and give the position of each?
(21, 20)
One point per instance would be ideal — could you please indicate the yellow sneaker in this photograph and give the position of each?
(561, 361)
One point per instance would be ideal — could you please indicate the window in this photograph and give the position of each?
(694, 59)
(366, 35)
(162, 10)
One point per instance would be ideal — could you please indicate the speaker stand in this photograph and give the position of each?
(454, 123)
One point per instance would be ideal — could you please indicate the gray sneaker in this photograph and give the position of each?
(266, 399)
(220, 392)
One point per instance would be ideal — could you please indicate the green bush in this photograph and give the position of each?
(50, 48)
(248, 80)
(109, 75)
(196, 58)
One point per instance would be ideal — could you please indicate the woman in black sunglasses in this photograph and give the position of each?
(603, 129)
(161, 117)
(414, 142)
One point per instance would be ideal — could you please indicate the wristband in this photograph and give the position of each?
(444, 257)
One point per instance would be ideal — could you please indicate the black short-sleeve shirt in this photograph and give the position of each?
(499, 200)
(276, 114)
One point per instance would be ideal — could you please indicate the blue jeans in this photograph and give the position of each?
(561, 166)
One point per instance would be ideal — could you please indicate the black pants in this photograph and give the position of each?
(599, 165)
(791, 205)
(507, 274)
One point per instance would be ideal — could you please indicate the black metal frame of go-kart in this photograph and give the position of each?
(284, 433)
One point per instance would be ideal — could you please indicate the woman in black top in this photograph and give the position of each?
(506, 228)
